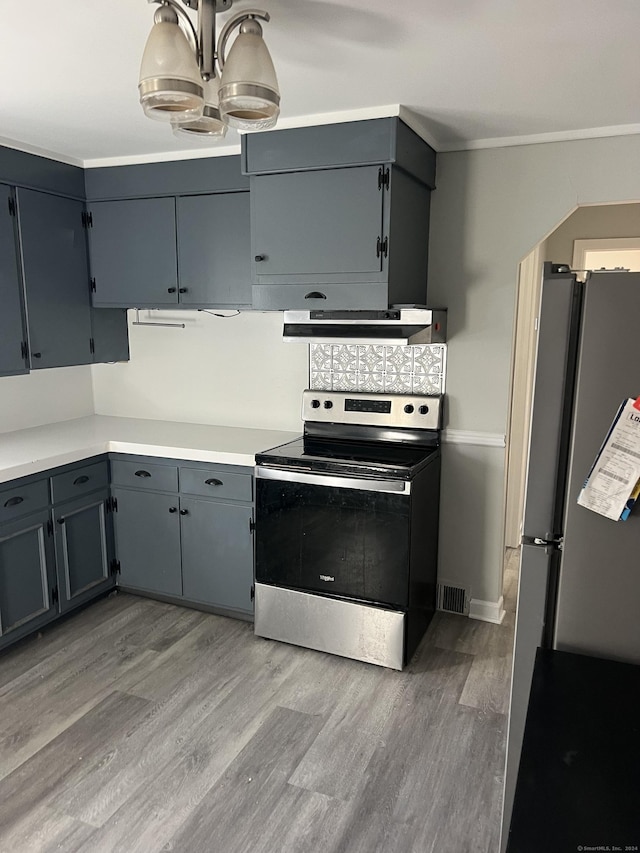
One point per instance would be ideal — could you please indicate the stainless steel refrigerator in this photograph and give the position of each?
(579, 587)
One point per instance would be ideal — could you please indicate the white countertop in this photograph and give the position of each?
(29, 451)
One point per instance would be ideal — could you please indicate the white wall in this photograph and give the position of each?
(45, 396)
(233, 372)
(490, 209)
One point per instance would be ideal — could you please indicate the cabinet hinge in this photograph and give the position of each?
(53, 595)
(252, 525)
(253, 592)
(92, 346)
(92, 285)
(49, 528)
(12, 206)
(24, 349)
(383, 178)
(112, 504)
(382, 247)
(87, 219)
(114, 565)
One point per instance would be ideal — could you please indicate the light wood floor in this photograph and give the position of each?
(139, 726)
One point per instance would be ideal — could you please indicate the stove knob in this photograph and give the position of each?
(408, 408)
(315, 404)
(423, 410)
(328, 404)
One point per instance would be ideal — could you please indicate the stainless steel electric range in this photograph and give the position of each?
(347, 527)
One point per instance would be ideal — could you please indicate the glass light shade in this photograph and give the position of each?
(170, 82)
(249, 93)
(209, 125)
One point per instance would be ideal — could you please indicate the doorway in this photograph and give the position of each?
(592, 237)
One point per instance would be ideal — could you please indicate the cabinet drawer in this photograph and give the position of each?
(20, 500)
(144, 475)
(74, 484)
(305, 297)
(216, 484)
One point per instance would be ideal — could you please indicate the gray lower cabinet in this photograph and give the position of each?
(56, 545)
(82, 549)
(217, 553)
(185, 532)
(27, 575)
(147, 540)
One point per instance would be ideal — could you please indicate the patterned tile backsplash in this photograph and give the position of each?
(418, 369)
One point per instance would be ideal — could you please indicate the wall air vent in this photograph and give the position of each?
(452, 599)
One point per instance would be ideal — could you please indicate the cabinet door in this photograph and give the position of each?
(147, 534)
(81, 549)
(217, 553)
(26, 574)
(110, 334)
(12, 333)
(315, 227)
(56, 277)
(214, 250)
(132, 247)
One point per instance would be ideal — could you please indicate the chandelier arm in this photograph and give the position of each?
(185, 20)
(231, 24)
(207, 38)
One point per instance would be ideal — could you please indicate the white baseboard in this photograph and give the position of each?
(487, 611)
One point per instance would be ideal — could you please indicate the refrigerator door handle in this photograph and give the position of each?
(557, 542)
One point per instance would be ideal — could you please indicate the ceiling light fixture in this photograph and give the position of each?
(178, 81)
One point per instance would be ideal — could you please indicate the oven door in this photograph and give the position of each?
(339, 536)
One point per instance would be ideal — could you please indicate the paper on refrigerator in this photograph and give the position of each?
(615, 473)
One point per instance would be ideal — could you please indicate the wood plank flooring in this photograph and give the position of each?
(139, 726)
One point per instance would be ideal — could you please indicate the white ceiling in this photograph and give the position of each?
(468, 73)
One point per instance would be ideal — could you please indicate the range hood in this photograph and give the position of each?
(396, 325)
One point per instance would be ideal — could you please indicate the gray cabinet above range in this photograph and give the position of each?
(339, 215)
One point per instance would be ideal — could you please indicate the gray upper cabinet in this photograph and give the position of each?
(339, 216)
(56, 279)
(214, 250)
(189, 251)
(132, 245)
(12, 331)
(317, 226)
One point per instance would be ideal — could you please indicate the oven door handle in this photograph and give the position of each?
(397, 487)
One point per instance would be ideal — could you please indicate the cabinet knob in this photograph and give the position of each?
(60, 520)
(37, 355)
(315, 294)
(259, 258)
(173, 509)
(184, 512)
(183, 290)
(171, 290)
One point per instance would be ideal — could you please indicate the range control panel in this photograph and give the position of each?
(393, 410)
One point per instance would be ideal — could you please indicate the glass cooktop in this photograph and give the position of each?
(363, 459)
